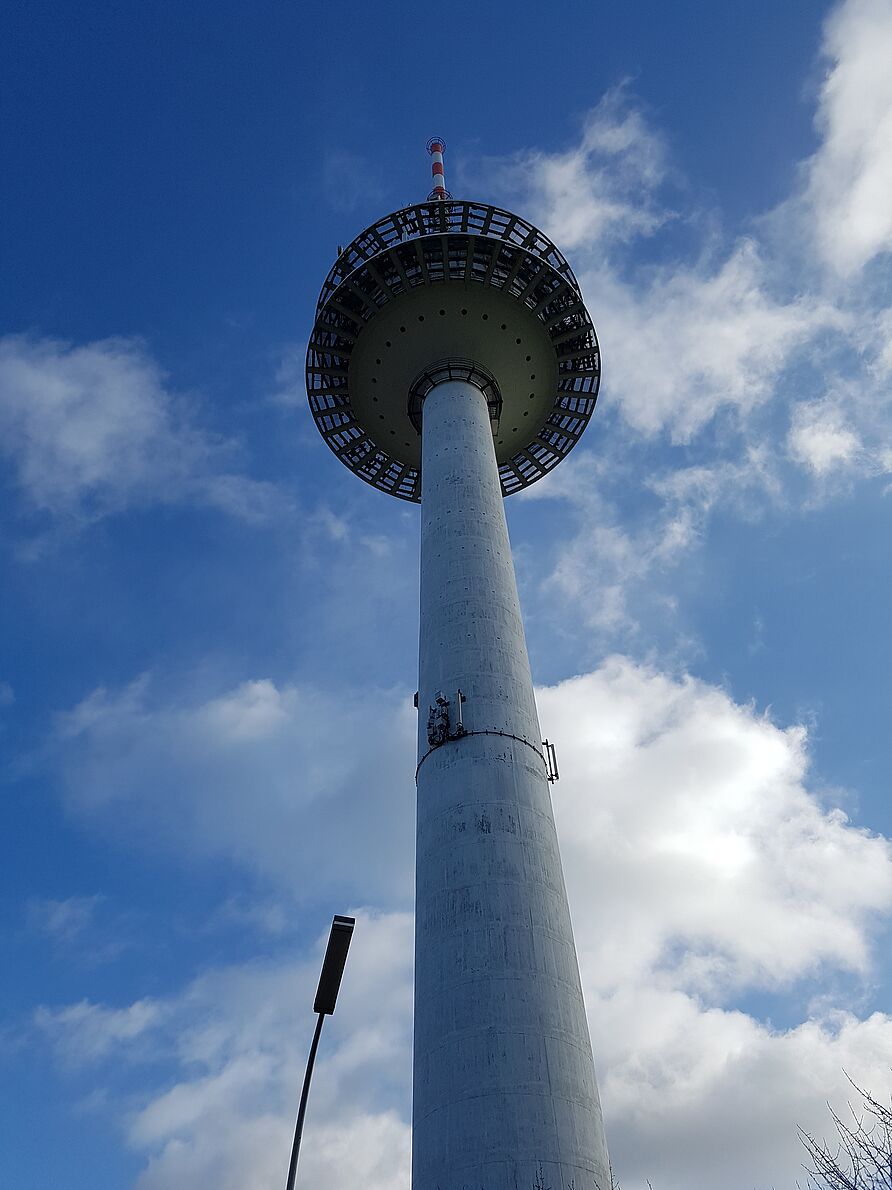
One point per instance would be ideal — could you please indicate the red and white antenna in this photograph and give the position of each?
(436, 146)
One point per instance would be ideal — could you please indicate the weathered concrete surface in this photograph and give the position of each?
(504, 1083)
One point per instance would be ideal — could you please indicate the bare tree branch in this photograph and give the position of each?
(860, 1156)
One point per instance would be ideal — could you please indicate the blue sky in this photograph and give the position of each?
(209, 627)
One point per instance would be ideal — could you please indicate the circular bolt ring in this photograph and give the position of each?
(454, 369)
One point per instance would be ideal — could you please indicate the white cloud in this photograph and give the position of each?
(229, 1152)
(259, 773)
(704, 354)
(820, 440)
(691, 816)
(718, 330)
(883, 338)
(93, 429)
(842, 435)
(611, 558)
(701, 865)
(684, 341)
(84, 931)
(598, 193)
(689, 342)
(84, 1033)
(240, 1153)
(63, 921)
(239, 1038)
(699, 1097)
(254, 711)
(849, 180)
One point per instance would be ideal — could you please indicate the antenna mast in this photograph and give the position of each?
(436, 146)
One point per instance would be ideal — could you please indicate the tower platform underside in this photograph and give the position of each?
(441, 281)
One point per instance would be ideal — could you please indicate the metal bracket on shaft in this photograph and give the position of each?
(551, 768)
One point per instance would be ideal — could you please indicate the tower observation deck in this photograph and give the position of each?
(453, 362)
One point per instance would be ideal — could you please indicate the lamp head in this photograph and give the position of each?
(333, 964)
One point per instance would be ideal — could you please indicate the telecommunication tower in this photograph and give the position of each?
(453, 362)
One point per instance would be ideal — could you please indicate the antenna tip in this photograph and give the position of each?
(436, 144)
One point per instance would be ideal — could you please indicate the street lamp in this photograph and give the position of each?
(324, 1005)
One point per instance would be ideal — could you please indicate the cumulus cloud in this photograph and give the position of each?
(692, 815)
(235, 1040)
(259, 773)
(698, 1097)
(702, 865)
(93, 429)
(368, 1149)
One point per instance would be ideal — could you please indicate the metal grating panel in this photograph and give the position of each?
(434, 244)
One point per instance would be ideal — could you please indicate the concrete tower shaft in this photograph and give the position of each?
(504, 1084)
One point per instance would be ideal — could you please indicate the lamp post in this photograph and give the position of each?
(323, 1006)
